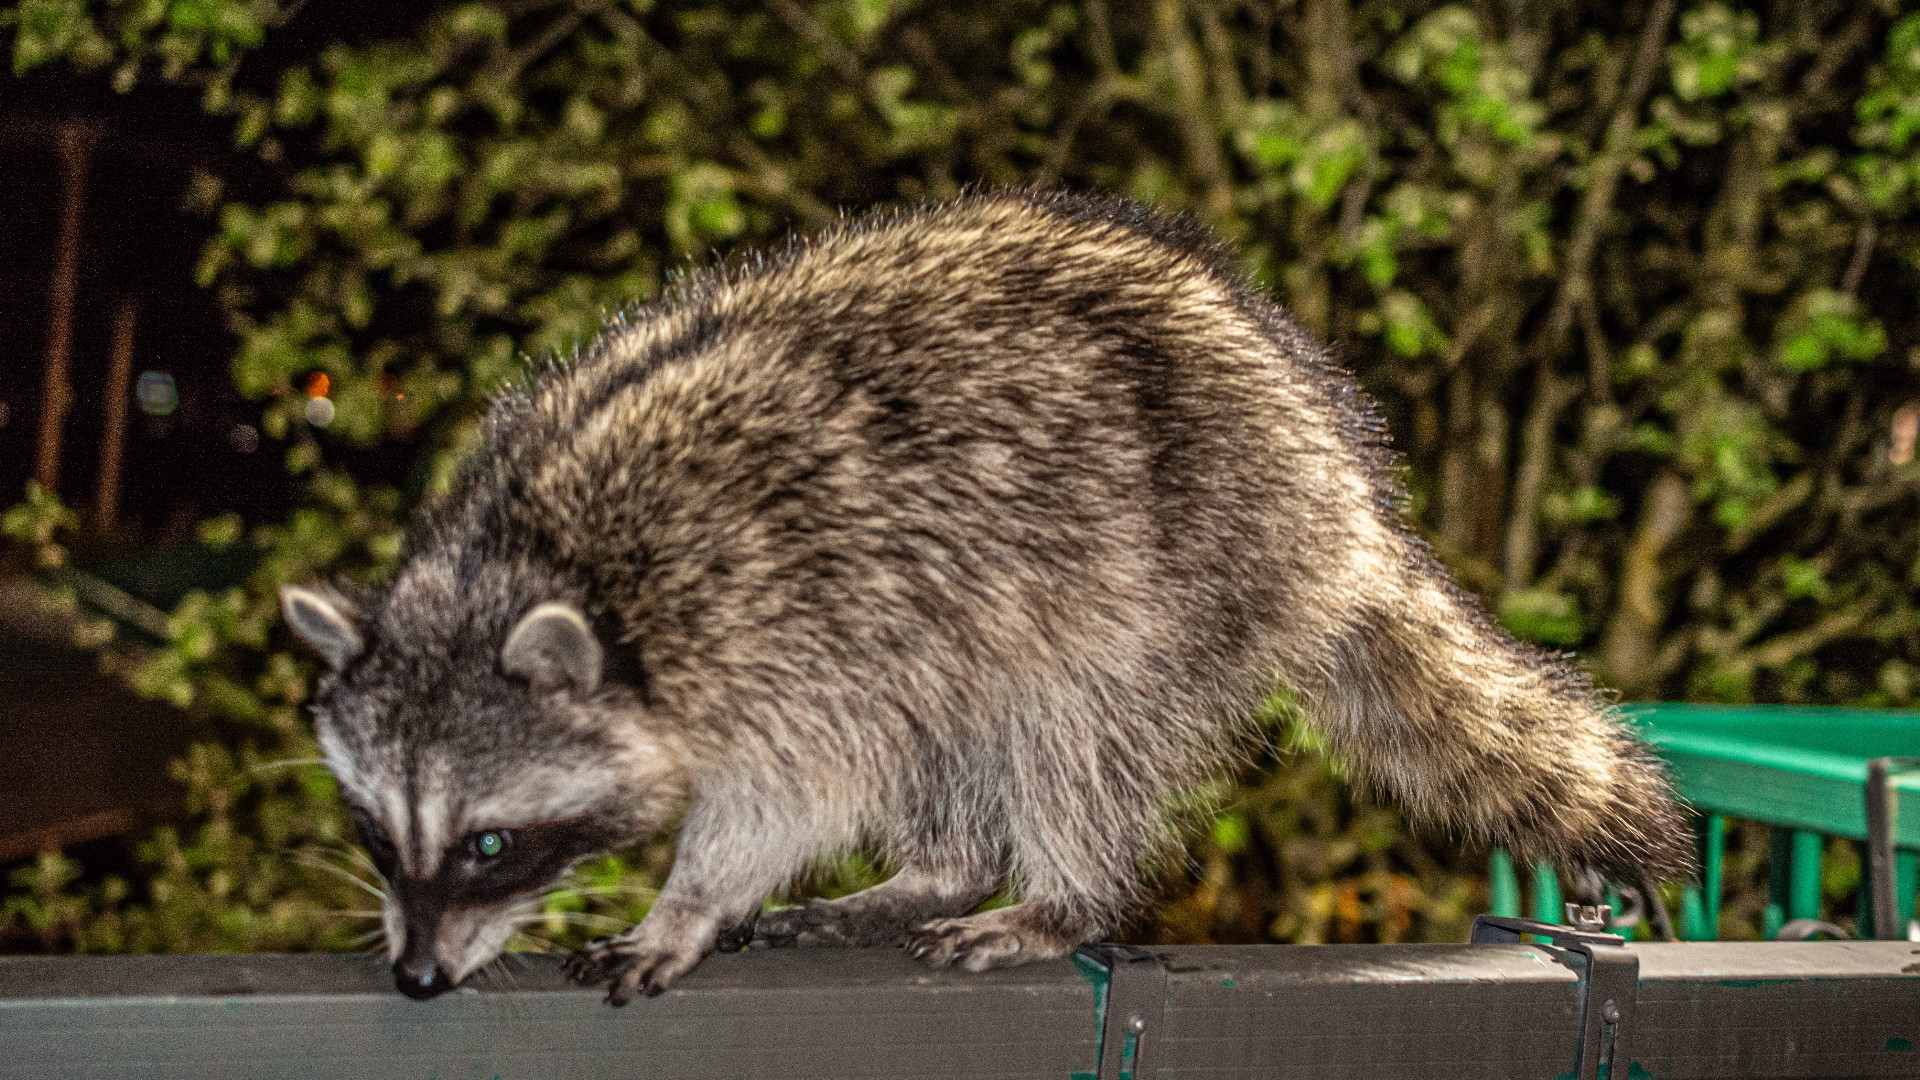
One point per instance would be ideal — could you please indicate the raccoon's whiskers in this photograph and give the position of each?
(601, 891)
(286, 763)
(578, 918)
(308, 858)
(496, 968)
(362, 859)
(541, 944)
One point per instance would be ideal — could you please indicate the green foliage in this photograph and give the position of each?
(1637, 304)
(201, 38)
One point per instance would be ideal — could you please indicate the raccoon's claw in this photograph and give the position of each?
(738, 938)
(583, 967)
(630, 966)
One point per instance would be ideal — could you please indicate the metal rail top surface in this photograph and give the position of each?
(1813, 1009)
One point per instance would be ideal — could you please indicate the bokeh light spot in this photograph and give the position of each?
(156, 393)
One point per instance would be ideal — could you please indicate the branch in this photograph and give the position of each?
(1100, 40)
(1550, 395)
(1782, 502)
(1626, 648)
(1232, 96)
(517, 60)
(1597, 203)
(837, 55)
(768, 179)
(1596, 206)
(1863, 242)
(1832, 627)
(1195, 120)
(1098, 98)
(1838, 50)
(1599, 357)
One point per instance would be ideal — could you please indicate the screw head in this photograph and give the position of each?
(1136, 1024)
(1610, 1012)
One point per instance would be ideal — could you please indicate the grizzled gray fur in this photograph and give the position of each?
(972, 536)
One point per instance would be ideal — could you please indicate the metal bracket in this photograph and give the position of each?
(1135, 1012)
(1610, 986)
(1881, 809)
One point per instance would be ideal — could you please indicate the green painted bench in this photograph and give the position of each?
(1802, 770)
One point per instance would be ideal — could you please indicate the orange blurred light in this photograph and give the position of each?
(1906, 427)
(318, 384)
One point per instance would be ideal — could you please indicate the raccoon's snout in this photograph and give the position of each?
(420, 978)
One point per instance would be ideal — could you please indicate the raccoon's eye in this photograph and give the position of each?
(489, 844)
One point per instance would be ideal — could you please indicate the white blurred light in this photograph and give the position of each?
(244, 437)
(156, 393)
(320, 411)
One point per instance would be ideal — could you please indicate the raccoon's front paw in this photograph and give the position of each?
(633, 961)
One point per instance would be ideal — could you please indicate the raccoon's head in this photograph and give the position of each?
(484, 749)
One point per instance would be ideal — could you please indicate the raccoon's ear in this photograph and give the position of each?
(325, 620)
(553, 646)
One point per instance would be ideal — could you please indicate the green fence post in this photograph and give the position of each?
(1693, 915)
(1865, 920)
(1710, 869)
(1779, 872)
(1695, 925)
(1804, 901)
(1546, 894)
(1505, 884)
(1906, 880)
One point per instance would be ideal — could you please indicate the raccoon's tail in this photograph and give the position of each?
(1465, 727)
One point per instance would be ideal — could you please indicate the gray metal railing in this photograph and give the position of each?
(1710, 1009)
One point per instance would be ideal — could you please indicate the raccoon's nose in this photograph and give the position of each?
(420, 978)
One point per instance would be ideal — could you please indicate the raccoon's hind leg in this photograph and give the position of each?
(1083, 800)
(881, 915)
(951, 856)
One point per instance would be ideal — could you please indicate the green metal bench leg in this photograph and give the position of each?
(1505, 884)
(1779, 874)
(1693, 915)
(1547, 906)
(1711, 862)
(1906, 881)
(1700, 904)
(1804, 901)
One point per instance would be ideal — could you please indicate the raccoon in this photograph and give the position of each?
(971, 536)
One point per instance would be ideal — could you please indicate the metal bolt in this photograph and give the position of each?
(1591, 918)
(1136, 1024)
(1610, 1011)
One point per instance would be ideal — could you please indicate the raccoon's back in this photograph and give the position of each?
(1006, 431)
